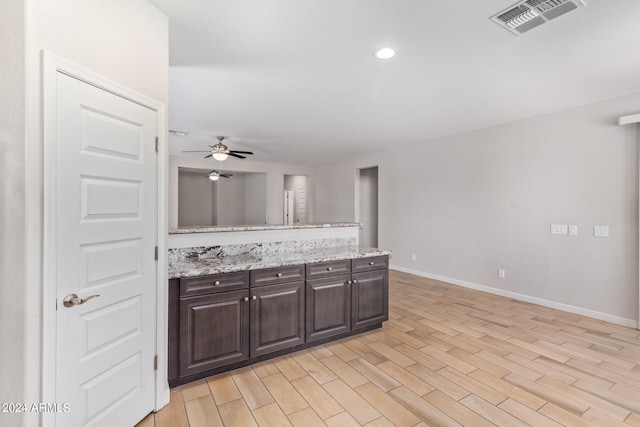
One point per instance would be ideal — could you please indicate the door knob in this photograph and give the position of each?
(73, 299)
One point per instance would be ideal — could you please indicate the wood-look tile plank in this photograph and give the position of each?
(375, 375)
(290, 368)
(223, 389)
(271, 416)
(589, 399)
(344, 371)
(448, 359)
(195, 390)
(389, 408)
(252, 389)
(456, 410)
(601, 419)
(315, 368)
(392, 354)
(264, 369)
(526, 414)
(405, 378)
(202, 412)
(284, 393)
(343, 419)
(546, 393)
(633, 419)
(478, 388)
(174, 414)
(317, 397)
(306, 418)
(438, 382)
(148, 421)
(237, 413)
(565, 417)
(342, 351)
(524, 397)
(361, 410)
(423, 409)
(490, 412)
(364, 351)
(420, 357)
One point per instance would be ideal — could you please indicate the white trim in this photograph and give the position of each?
(51, 65)
(627, 120)
(631, 323)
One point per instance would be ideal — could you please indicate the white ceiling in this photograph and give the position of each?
(295, 81)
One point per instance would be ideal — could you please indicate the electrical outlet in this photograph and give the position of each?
(501, 273)
(559, 229)
(601, 230)
(573, 230)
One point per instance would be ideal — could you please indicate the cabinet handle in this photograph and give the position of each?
(246, 299)
(371, 262)
(329, 268)
(348, 282)
(216, 283)
(355, 282)
(254, 297)
(279, 275)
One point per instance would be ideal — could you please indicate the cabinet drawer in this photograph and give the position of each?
(272, 276)
(330, 268)
(213, 283)
(370, 263)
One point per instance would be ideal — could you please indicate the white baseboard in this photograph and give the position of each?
(631, 323)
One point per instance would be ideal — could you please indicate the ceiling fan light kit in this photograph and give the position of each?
(221, 152)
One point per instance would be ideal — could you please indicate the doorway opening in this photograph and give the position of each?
(368, 206)
(295, 200)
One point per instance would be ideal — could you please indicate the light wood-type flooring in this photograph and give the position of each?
(448, 356)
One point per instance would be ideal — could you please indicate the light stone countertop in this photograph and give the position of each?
(200, 266)
(259, 227)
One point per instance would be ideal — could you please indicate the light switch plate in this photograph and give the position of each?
(601, 230)
(559, 229)
(573, 230)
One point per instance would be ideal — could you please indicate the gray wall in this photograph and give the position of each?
(196, 196)
(368, 200)
(230, 200)
(472, 203)
(255, 198)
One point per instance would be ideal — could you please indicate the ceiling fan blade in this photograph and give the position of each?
(236, 155)
(240, 152)
(206, 157)
(197, 151)
(226, 175)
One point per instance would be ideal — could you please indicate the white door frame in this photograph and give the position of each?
(53, 64)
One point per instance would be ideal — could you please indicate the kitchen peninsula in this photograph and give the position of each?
(241, 294)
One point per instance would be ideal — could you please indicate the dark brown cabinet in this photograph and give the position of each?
(213, 331)
(328, 307)
(277, 317)
(223, 321)
(369, 298)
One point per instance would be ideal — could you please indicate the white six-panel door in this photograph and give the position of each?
(105, 227)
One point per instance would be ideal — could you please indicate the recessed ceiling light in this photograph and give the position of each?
(385, 53)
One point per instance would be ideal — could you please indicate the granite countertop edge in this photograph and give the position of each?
(224, 228)
(200, 266)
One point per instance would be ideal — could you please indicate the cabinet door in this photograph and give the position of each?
(328, 306)
(277, 317)
(369, 298)
(214, 331)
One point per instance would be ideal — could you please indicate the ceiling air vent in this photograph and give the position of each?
(526, 15)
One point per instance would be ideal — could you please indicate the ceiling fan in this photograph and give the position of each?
(220, 151)
(215, 175)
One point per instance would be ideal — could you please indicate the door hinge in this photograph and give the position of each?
(156, 253)
(155, 362)
(157, 143)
